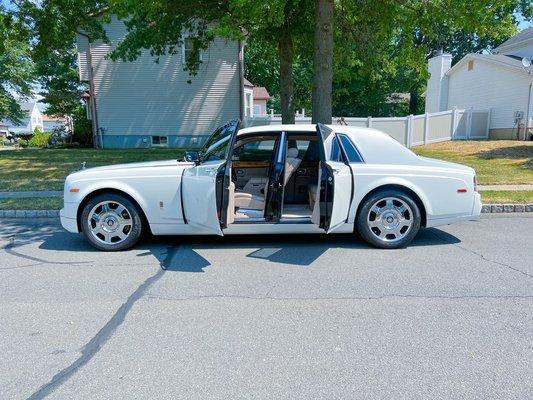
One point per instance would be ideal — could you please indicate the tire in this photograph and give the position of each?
(389, 219)
(112, 222)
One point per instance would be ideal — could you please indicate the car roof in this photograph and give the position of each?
(375, 146)
(353, 131)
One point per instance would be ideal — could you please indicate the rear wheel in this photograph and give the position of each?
(389, 219)
(111, 222)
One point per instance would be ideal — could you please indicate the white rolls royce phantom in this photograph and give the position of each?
(278, 179)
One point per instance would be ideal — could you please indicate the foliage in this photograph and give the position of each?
(16, 70)
(261, 67)
(83, 134)
(22, 142)
(381, 47)
(39, 139)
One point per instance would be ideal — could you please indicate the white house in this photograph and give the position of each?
(33, 119)
(255, 100)
(498, 82)
(143, 103)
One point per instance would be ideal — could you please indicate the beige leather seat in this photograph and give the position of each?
(311, 192)
(257, 202)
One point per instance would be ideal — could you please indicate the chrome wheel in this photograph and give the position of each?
(109, 222)
(390, 219)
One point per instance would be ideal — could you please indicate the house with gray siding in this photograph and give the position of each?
(143, 103)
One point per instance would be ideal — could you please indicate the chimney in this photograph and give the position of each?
(437, 87)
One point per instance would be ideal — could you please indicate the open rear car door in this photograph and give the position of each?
(335, 181)
(205, 187)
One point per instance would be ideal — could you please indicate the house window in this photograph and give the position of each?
(188, 50)
(248, 107)
(470, 65)
(159, 140)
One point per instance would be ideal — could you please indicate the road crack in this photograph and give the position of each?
(482, 256)
(99, 340)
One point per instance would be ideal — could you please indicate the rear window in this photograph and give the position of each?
(351, 151)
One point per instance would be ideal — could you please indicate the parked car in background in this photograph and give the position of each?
(286, 179)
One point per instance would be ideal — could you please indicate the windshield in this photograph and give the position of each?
(217, 146)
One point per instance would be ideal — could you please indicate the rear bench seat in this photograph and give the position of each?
(311, 192)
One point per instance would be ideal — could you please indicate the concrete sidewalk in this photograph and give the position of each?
(505, 187)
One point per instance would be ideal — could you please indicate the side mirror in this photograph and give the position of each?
(192, 156)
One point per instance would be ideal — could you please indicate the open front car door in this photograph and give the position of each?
(335, 179)
(205, 187)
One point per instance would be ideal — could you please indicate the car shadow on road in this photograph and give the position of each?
(296, 250)
(181, 253)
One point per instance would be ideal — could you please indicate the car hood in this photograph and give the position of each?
(145, 164)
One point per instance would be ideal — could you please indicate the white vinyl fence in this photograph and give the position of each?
(412, 130)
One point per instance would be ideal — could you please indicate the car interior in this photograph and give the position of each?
(251, 161)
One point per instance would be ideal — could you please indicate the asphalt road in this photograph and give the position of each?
(302, 317)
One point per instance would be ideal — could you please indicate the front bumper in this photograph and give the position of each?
(68, 217)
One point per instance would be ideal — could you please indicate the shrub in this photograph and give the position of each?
(22, 143)
(83, 133)
(39, 139)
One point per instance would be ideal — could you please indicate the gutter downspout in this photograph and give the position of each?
(241, 81)
(94, 112)
(526, 133)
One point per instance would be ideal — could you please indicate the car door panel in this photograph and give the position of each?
(276, 176)
(336, 181)
(205, 188)
(199, 196)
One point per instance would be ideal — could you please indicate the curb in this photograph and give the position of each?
(506, 208)
(485, 209)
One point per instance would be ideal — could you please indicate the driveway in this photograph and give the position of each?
(303, 317)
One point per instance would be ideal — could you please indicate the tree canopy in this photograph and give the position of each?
(16, 69)
(379, 47)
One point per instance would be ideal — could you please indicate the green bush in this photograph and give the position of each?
(83, 132)
(39, 139)
(22, 143)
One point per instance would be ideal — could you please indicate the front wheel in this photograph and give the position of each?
(389, 219)
(111, 222)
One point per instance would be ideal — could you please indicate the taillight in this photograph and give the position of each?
(475, 183)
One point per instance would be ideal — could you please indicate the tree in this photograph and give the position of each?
(323, 61)
(261, 66)
(160, 25)
(16, 69)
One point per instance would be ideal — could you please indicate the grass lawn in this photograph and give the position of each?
(46, 169)
(34, 203)
(495, 161)
(507, 196)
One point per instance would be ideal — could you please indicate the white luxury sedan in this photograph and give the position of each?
(273, 179)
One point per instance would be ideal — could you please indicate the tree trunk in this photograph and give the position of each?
(286, 82)
(323, 62)
(414, 100)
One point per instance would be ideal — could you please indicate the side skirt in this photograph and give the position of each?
(280, 228)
